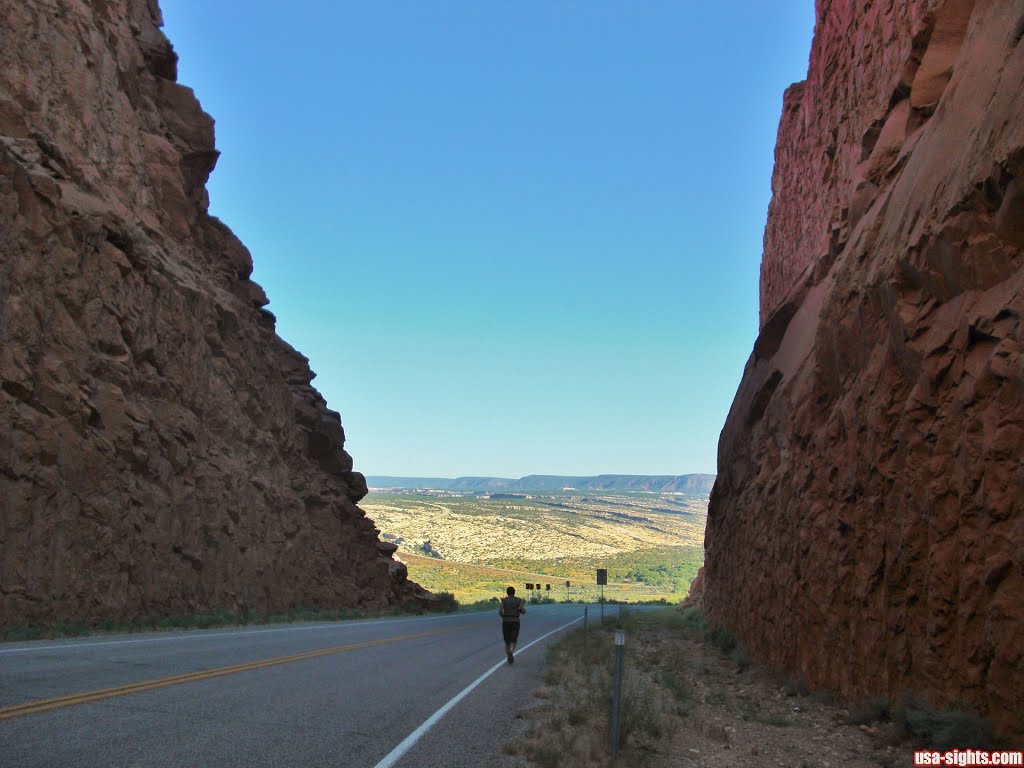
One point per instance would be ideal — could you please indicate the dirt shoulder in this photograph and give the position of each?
(692, 698)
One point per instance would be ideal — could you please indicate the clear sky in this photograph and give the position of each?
(512, 237)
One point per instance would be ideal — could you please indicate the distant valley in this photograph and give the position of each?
(698, 484)
(478, 535)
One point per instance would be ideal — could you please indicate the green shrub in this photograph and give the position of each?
(579, 715)
(872, 710)
(643, 711)
(669, 617)
(723, 640)
(957, 727)
(544, 755)
(674, 681)
(691, 620)
(741, 658)
(446, 602)
(796, 686)
(19, 634)
(72, 629)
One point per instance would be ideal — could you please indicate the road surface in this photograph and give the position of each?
(333, 694)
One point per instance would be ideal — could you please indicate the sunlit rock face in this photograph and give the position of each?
(867, 526)
(162, 451)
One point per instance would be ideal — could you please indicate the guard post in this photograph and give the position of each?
(620, 642)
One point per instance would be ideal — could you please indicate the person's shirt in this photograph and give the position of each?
(510, 608)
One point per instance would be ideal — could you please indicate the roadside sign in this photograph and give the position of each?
(567, 585)
(602, 576)
(529, 586)
(547, 587)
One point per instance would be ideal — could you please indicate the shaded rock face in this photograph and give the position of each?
(162, 451)
(866, 529)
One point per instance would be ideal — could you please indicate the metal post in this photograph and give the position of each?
(620, 641)
(602, 605)
(585, 632)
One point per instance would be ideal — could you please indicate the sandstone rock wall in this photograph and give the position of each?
(867, 525)
(161, 450)
(869, 85)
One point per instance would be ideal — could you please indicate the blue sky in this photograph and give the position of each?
(512, 237)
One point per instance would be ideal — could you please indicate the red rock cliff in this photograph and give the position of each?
(161, 450)
(867, 526)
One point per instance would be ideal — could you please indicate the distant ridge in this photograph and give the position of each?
(696, 484)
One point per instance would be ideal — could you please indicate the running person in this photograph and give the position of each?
(511, 608)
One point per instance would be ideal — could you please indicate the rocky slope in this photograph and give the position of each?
(867, 522)
(162, 451)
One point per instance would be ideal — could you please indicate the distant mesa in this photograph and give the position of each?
(695, 484)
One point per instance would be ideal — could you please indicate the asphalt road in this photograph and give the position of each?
(334, 694)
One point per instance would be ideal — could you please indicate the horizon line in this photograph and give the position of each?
(536, 474)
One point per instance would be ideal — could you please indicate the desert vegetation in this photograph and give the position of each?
(691, 696)
(475, 544)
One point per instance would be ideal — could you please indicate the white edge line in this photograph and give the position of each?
(200, 634)
(409, 741)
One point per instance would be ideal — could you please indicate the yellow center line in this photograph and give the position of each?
(44, 705)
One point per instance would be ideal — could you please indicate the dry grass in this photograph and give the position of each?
(572, 727)
(692, 698)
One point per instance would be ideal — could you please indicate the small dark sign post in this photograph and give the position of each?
(547, 587)
(602, 579)
(529, 587)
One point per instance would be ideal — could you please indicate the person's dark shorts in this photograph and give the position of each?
(510, 631)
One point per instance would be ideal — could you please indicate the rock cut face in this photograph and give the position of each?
(162, 450)
(867, 526)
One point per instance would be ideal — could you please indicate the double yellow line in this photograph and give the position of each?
(45, 705)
